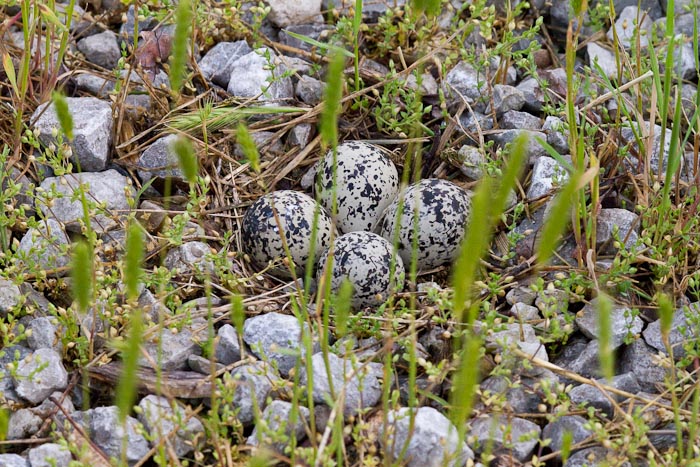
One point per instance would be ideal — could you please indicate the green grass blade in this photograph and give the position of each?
(555, 155)
(331, 102)
(342, 308)
(187, 159)
(9, 68)
(486, 210)
(178, 61)
(133, 259)
(126, 387)
(605, 354)
(81, 273)
(65, 119)
(665, 315)
(320, 45)
(558, 218)
(237, 313)
(245, 140)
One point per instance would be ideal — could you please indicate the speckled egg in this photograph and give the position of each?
(443, 211)
(366, 183)
(262, 234)
(365, 259)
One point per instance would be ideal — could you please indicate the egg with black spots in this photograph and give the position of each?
(443, 210)
(280, 217)
(366, 182)
(366, 260)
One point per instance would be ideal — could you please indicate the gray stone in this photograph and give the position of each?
(317, 31)
(594, 457)
(159, 160)
(517, 435)
(202, 365)
(40, 374)
(552, 299)
(251, 76)
(681, 331)
(599, 56)
(574, 424)
(127, 28)
(92, 130)
(35, 302)
(151, 215)
(557, 134)
(533, 94)
(581, 357)
(300, 135)
(473, 162)
(10, 297)
(532, 350)
(650, 368)
(13, 460)
(680, 6)
(360, 384)
(99, 86)
(535, 150)
(162, 419)
(683, 58)
(525, 312)
(428, 85)
(108, 189)
(50, 455)
(228, 347)
(420, 388)
(287, 12)
(547, 174)
(510, 334)
(507, 98)
(623, 323)
(254, 383)
(521, 393)
(25, 423)
(267, 142)
(649, 7)
(309, 90)
(430, 441)
(190, 259)
(8, 356)
(45, 333)
(277, 338)
(682, 24)
(464, 82)
(109, 434)
(476, 122)
(216, 64)
(521, 294)
(437, 341)
(665, 438)
(592, 396)
(371, 9)
(101, 49)
(279, 427)
(630, 25)
(622, 221)
(170, 351)
(19, 187)
(517, 120)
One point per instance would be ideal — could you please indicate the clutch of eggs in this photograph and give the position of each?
(366, 260)
(285, 217)
(366, 182)
(443, 210)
